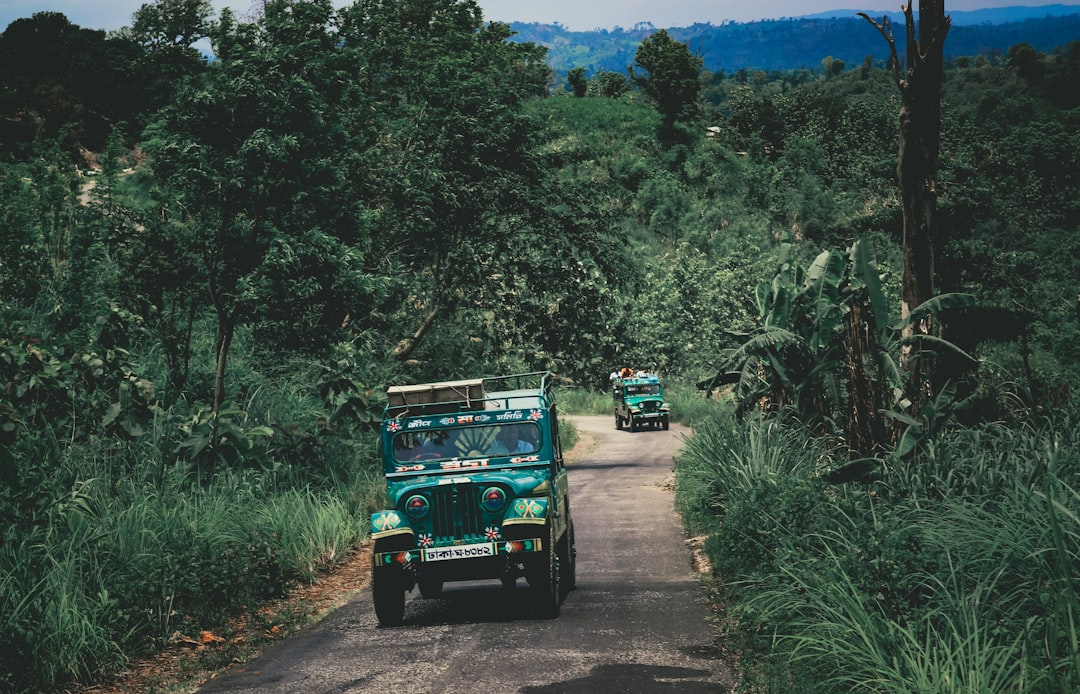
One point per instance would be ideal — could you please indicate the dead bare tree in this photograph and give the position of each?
(920, 140)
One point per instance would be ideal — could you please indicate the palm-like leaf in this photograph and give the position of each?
(864, 271)
(936, 305)
(925, 341)
(762, 341)
(822, 291)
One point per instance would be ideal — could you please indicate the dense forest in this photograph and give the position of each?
(210, 270)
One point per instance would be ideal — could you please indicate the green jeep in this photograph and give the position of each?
(639, 402)
(476, 488)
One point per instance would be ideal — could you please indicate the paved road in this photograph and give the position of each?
(637, 622)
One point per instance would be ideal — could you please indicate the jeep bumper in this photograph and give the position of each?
(477, 550)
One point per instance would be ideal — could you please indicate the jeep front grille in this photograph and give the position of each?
(456, 512)
(650, 406)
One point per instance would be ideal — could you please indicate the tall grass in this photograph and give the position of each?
(55, 612)
(313, 531)
(126, 558)
(584, 401)
(955, 572)
(724, 460)
(827, 623)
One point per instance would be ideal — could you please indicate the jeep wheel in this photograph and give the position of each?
(568, 561)
(618, 421)
(389, 582)
(664, 423)
(388, 593)
(543, 578)
(633, 423)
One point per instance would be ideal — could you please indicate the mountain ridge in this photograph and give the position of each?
(992, 15)
(803, 42)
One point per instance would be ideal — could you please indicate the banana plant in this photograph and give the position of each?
(825, 347)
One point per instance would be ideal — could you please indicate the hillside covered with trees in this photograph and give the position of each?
(210, 270)
(800, 42)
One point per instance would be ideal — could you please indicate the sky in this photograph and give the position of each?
(576, 15)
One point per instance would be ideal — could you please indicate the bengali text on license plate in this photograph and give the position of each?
(486, 549)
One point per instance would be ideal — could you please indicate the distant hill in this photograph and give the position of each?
(996, 15)
(802, 42)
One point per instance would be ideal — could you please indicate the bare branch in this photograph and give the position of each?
(885, 29)
(912, 44)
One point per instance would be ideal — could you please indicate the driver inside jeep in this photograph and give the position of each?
(423, 446)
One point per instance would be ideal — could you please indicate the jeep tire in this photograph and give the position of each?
(544, 579)
(388, 594)
(567, 561)
(389, 585)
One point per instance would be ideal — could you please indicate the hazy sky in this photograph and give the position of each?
(579, 15)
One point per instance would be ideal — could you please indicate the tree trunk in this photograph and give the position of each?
(226, 330)
(865, 428)
(920, 139)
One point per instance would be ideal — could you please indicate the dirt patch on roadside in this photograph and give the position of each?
(585, 445)
(193, 659)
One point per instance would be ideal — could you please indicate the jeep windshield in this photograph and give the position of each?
(516, 439)
(645, 389)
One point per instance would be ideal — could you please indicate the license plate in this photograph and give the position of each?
(484, 549)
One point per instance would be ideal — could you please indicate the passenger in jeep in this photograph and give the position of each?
(514, 438)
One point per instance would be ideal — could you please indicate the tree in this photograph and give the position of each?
(62, 81)
(831, 66)
(1027, 62)
(671, 78)
(609, 84)
(172, 23)
(456, 174)
(260, 158)
(920, 137)
(578, 82)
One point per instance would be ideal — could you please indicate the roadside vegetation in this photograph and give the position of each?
(211, 270)
(950, 572)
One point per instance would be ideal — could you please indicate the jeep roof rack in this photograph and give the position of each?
(488, 393)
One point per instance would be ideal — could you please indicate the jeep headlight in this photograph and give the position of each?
(493, 499)
(417, 506)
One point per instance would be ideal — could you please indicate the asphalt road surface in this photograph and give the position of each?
(637, 622)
